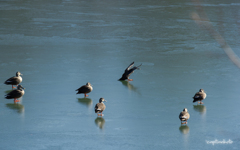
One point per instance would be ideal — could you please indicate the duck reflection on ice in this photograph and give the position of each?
(16, 106)
(85, 101)
(184, 129)
(200, 108)
(100, 121)
(129, 86)
(8, 91)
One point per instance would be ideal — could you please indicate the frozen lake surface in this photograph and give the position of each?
(59, 46)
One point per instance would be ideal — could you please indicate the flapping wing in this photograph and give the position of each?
(128, 68)
(132, 70)
(128, 71)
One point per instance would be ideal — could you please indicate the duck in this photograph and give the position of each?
(14, 80)
(85, 89)
(15, 94)
(128, 71)
(100, 107)
(199, 96)
(184, 116)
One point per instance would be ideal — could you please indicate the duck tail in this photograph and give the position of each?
(8, 97)
(195, 100)
(7, 82)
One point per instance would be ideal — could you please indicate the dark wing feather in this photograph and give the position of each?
(183, 116)
(12, 81)
(84, 89)
(14, 94)
(129, 71)
(96, 107)
(99, 107)
(180, 115)
(129, 66)
(132, 70)
(198, 96)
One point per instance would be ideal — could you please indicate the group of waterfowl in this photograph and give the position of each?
(198, 97)
(99, 107)
(19, 92)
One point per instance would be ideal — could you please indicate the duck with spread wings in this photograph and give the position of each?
(128, 71)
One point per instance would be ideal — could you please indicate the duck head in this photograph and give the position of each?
(102, 100)
(20, 87)
(89, 84)
(18, 73)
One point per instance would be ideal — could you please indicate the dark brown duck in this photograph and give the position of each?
(199, 96)
(15, 94)
(85, 89)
